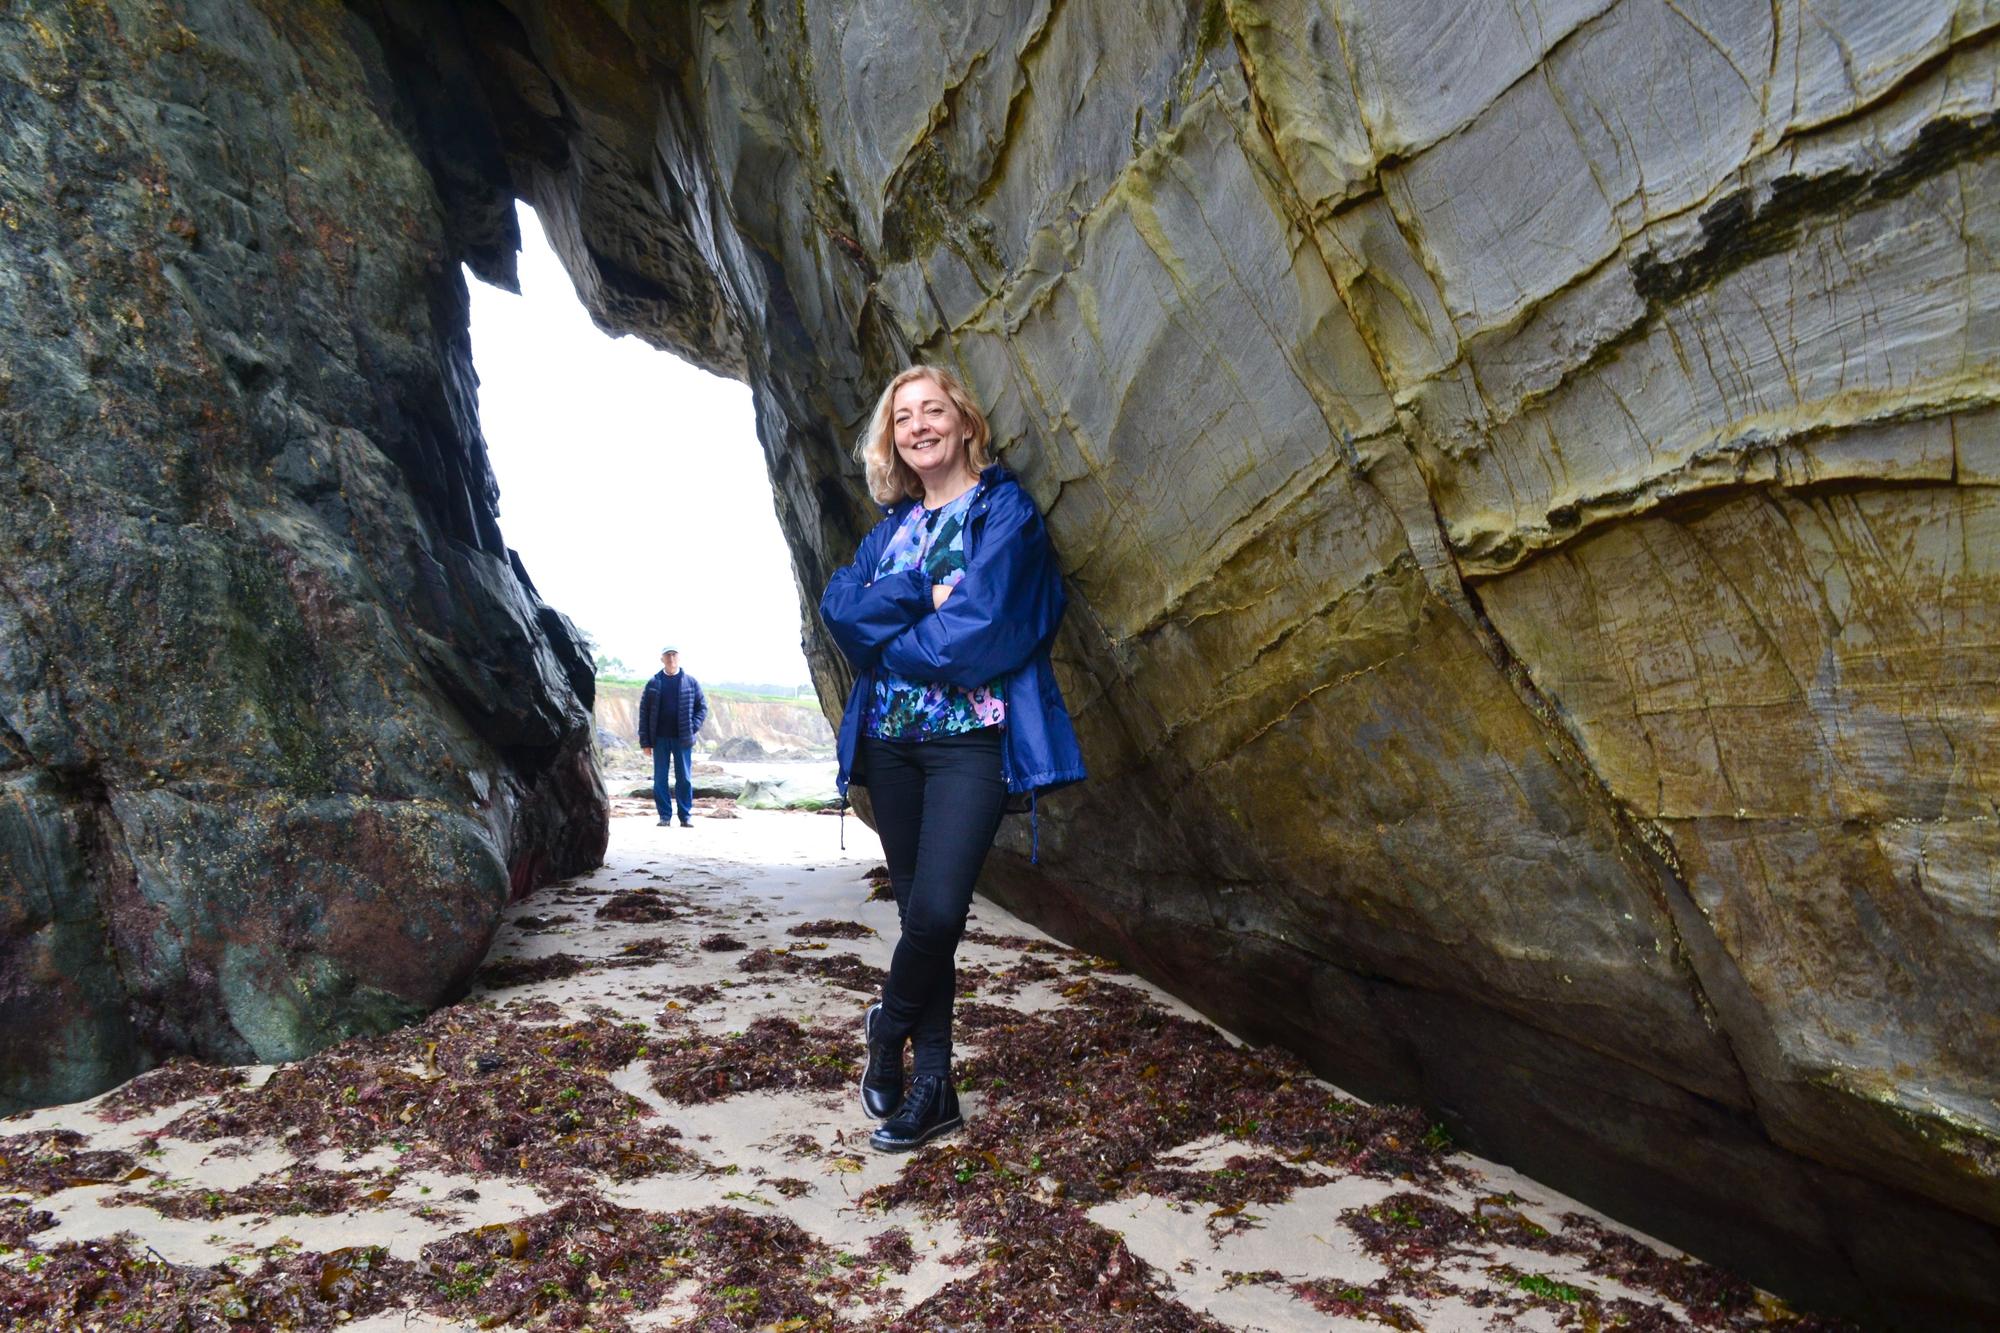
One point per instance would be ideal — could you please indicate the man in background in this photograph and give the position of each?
(671, 713)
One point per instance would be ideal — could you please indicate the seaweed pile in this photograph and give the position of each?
(45, 1164)
(115, 1283)
(590, 1262)
(178, 1080)
(1090, 1102)
(589, 1156)
(637, 905)
(298, 1189)
(773, 1052)
(840, 969)
(830, 930)
(585, 1264)
(470, 1089)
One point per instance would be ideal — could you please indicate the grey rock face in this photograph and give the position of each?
(1526, 473)
(283, 726)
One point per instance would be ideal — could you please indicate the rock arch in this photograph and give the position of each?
(1527, 473)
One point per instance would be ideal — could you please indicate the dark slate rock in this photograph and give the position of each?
(285, 726)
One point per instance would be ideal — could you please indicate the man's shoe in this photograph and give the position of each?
(930, 1109)
(663, 823)
(882, 1076)
(687, 823)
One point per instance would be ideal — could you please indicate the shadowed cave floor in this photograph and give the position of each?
(644, 1118)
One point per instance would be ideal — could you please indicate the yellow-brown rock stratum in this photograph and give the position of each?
(1526, 472)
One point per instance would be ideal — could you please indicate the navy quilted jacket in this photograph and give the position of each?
(998, 623)
(694, 710)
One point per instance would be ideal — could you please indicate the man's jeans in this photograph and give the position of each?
(666, 754)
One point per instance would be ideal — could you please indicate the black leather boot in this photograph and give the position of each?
(882, 1076)
(930, 1109)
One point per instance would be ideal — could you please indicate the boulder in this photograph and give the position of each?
(705, 784)
(283, 724)
(808, 789)
(738, 747)
(725, 786)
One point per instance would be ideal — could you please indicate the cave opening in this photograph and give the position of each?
(632, 487)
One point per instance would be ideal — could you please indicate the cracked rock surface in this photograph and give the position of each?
(1525, 471)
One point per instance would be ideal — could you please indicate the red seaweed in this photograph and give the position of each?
(299, 1189)
(636, 905)
(841, 969)
(1018, 943)
(20, 1219)
(1047, 1266)
(48, 1163)
(892, 1249)
(466, 1090)
(773, 1052)
(112, 1284)
(831, 930)
(1350, 1300)
(1409, 1228)
(644, 950)
(592, 1263)
(505, 973)
(1090, 1094)
(178, 1080)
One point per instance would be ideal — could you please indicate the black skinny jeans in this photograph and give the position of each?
(937, 806)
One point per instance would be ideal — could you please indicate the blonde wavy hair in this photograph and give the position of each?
(891, 479)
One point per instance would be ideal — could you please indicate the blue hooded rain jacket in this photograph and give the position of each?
(997, 624)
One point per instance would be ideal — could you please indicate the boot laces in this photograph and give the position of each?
(924, 1092)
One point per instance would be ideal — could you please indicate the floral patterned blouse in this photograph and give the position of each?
(916, 710)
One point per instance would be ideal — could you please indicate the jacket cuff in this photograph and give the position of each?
(918, 585)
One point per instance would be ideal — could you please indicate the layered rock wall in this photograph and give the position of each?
(282, 726)
(1526, 476)
(1526, 473)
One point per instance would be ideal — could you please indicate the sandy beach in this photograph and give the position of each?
(644, 1117)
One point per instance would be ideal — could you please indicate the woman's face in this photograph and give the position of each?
(930, 433)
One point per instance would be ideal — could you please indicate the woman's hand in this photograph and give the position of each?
(939, 591)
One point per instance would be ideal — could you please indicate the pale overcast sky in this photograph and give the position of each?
(632, 484)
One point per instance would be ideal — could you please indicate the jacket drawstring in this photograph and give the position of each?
(843, 823)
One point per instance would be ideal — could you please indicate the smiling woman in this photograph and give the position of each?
(946, 615)
(631, 483)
